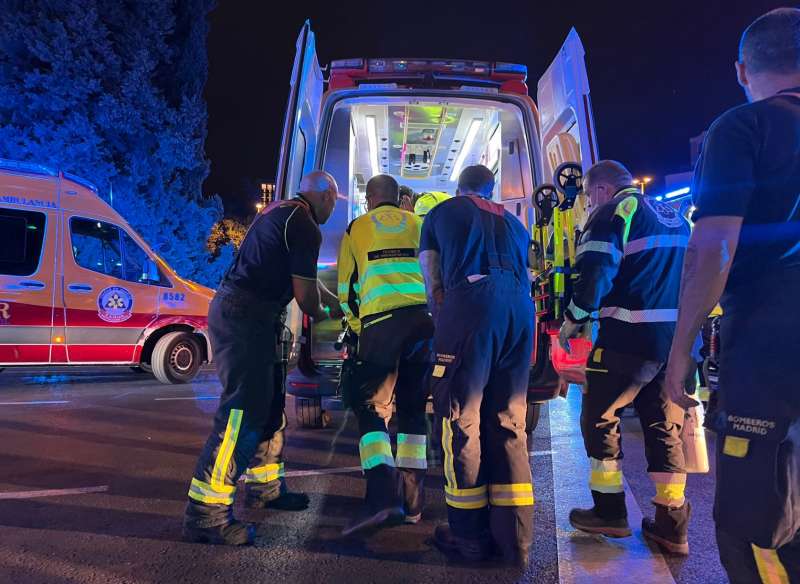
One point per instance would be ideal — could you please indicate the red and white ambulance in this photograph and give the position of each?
(78, 286)
(422, 121)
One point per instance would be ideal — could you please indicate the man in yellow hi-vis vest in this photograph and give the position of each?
(383, 296)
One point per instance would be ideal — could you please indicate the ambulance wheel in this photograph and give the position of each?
(309, 413)
(532, 417)
(176, 358)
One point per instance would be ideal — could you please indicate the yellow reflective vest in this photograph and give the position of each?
(428, 201)
(378, 264)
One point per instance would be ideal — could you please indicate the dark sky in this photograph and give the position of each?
(659, 72)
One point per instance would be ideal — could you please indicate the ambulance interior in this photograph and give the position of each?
(424, 144)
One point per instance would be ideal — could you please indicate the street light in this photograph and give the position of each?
(642, 181)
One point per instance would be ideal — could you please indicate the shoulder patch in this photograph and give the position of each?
(665, 214)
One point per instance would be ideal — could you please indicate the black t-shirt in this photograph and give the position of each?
(281, 243)
(750, 168)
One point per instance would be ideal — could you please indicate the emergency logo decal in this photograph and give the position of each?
(115, 304)
(665, 214)
(390, 221)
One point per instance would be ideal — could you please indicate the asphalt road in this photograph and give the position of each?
(95, 465)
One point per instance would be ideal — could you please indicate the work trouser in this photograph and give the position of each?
(482, 344)
(757, 500)
(248, 426)
(615, 380)
(392, 362)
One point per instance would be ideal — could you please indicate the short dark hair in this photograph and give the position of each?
(406, 191)
(610, 172)
(476, 179)
(771, 44)
(384, 187)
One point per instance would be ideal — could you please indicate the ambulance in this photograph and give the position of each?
(422, 121)
(78, 286)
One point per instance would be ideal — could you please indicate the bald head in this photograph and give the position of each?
(320, 189)
(604, 179)
(382, 188)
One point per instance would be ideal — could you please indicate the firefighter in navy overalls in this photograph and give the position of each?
(745, 250)
(628, 262)
(277, 262)
(474, 256)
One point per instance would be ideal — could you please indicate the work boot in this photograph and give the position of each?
(386, 517)
(413, 494)
(287, 501)
(473, 550)
(608, 517)
(232, 533)
(669, 529)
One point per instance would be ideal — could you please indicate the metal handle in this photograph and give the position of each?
(80, 288)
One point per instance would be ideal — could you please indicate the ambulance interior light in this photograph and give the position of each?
(474, 125)
(372, 137)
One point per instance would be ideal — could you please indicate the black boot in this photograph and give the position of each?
(473, 550)
(608, 517)
(232, 533)
(257, 497)
(413, 493)
(670, 528)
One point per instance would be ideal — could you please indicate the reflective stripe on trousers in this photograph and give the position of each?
(670, 488)
(411, 452)
(217, 492)
(264, 474)
(606, 476)
(511, 495)
(770, 568)
(375, 449)
(472, 498)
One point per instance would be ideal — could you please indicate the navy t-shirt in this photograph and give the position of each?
(455, 229)
(281, 243)
(750, 168)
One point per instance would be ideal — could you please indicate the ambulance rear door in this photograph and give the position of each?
(301, 124)
(566, 126)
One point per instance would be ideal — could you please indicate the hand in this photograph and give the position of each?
(569, 330)
(678, 368)
(335, 310)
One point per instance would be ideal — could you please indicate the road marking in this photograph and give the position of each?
(52, 492)
(322, 471)
(585, 558)
(195, 397)
(541, 453)
(35, 403)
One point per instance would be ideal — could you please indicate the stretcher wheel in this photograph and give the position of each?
(309, 412)
(176, 358)
(569, 178)
(545, 195)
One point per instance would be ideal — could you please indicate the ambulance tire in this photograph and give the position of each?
(176, 358)
(309, 412)
(532, 417)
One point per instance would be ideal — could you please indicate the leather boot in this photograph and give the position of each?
(608, 517)
(258, 496)
(670, 528)
(232, 533)
(473, 550)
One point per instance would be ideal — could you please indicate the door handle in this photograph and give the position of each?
(80, 288)
(31, 284)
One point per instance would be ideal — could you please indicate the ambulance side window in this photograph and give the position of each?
(96, 246)
(21, 238)
(135, 262)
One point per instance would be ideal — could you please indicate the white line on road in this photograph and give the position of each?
(35, 403)
(541, 453)
(194, 397)
(52, 492)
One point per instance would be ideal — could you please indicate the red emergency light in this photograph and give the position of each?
(570, 366)
(507, 77)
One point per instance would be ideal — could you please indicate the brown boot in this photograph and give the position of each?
(670, 528)
(608, 517)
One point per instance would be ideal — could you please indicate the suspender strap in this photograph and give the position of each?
(494, 229)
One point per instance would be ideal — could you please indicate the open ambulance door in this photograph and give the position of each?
(566, 126)
(301, 124)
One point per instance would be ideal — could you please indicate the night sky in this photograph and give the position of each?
(659, 73)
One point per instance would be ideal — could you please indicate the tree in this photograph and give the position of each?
(112, 91)
(224, 233)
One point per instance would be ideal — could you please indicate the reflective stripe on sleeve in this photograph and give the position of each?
(474, 498)
(640, 316)
(511, 495)
(606, 476)
(576, 311)
(205, 493)
(226, 448)
(656, 241)
(670, 488)
(375, 449)
(264, 474)
(770, 568)
(411, 451)
(599, 247)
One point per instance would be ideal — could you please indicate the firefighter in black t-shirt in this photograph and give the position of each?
(277, 261)
(745, 249)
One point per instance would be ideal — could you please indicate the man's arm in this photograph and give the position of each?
(431, 265)
(706, 266)
(306, 292)
(329, 300)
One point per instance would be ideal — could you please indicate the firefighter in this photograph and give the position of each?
(628, 263)
(276, 262)
(383, 296)
(427, 201)
(744, 250)
(474, 257)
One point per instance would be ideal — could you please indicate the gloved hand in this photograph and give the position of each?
(569, 330)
